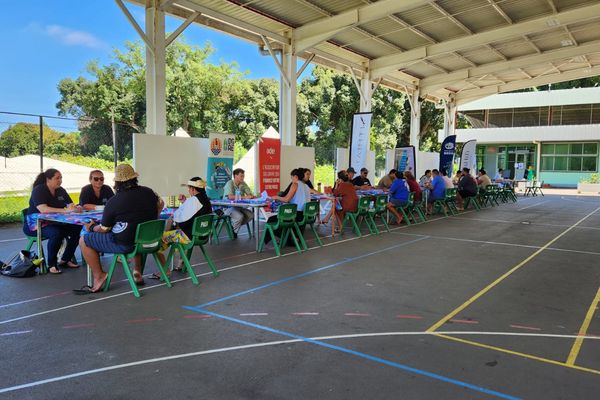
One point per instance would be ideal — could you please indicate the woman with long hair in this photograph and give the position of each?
(48, 196)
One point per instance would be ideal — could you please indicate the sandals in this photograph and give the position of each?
(138, 278)
(85, 290)
(157, 276)
(68, 264)
(56, 271)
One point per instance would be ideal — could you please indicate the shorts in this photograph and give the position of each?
(464, 194)
(174, 236)
(105, 243)
(398, 202)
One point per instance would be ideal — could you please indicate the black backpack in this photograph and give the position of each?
(20, 266)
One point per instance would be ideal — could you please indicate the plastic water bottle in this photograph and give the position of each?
(238, 195)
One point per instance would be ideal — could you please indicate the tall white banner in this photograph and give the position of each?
(361, 124)
(468, 157)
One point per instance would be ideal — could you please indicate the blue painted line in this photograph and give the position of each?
(337, 264)
(359, 354)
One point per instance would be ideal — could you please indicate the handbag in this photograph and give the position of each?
(21, 265)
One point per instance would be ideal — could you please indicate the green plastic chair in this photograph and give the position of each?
(221, 221)
(202, 230)
(439, 205)
(380, 210)
(450, 200)
(148, 238)
(286, 221)
(361, 213)
(406, 210)
(417, 207)
(472, 200)
(311, 211)
(31, 240)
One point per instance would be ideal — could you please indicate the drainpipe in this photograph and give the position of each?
(538, 160)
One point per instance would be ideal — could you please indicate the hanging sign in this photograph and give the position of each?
(220, 163)
(268, 165)
(359, 142)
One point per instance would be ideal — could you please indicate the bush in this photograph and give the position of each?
(325, 174)
(10, 207)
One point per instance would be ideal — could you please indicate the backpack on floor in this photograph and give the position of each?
(20, 266)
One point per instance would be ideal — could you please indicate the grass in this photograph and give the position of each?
(324, 174)
(10, 207)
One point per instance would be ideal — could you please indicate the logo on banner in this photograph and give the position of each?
(216, 146)
(449, 146)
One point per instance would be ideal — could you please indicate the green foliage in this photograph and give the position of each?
(105, 153)
(23, 138)
(324, 174)
(11, 206)
(592, 178)
(91, 162)
(238, 152)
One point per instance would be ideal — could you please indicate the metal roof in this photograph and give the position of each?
(450, 49)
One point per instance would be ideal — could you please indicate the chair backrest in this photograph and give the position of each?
(286, 215)
(538, 184)
(363, 205)
(311, 210)
(202, 228)
(148, 236)
(450, 194)
(24, 215)
(381, 203)
(411, 199)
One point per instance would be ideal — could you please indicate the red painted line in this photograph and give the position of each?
(529, 328)
(78, 326)
(464, 321)
(197, 316)
(140, 321)
(357, 314)
(409, 317)
(305, 313)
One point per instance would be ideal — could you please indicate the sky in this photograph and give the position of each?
(46, 41)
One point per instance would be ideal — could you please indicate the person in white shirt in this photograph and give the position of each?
(447, 181)
(499, 177)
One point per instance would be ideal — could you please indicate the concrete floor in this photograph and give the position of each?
(486, 304)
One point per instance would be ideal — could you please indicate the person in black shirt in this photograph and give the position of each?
(306, 173)
(48, 196)
(467, 187)
(129, 207)
(96, 193)
(361, 181)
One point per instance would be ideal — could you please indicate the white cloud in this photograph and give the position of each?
(68, 36)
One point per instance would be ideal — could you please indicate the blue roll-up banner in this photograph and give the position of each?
(404, 159)
(447, 154)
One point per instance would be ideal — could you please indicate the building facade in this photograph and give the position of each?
(556, 132)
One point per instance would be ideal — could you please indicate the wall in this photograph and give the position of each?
(294, 157)
(528, 134)
(563, 179)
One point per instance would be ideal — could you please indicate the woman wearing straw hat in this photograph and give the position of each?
(191, 207)
(130, 206)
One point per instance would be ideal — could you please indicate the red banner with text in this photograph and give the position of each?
(268, 165)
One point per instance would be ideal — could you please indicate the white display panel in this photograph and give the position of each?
(164, 162)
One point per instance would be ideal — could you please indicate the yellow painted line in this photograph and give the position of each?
(467, 303)
(582, 331)
(519, 354)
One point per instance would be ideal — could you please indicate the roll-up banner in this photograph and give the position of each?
(404, 159)
(269, 152)
(359, 140)
(220, 163)
(468, 157)
(447, 154)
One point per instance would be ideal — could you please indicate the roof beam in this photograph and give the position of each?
(435, 82)
(313, 33)
(469, 95)
(382, 65)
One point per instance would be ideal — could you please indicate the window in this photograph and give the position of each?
(575, 157)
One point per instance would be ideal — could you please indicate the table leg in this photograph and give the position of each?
(40, 246)
(256, 227)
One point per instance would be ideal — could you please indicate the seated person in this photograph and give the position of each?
(385, 182)
(438, 189)
(196, 205)
(483, 180)
(361, 181)
(299, 194)
(447, 180)
(398, 196)
(239, 215)
(351, 173)
(48, 196)
(305, 179)
(96, 193)
(467, 187)
(499, 177)
(425, 180)
(129, 207)
(349, 199)
(413, 185)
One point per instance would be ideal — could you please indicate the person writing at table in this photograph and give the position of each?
(48, 196)
(96, 193)
(129, 207)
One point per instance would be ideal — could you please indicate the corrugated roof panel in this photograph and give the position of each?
(450, 62)
(406, 39)
(335, 6)
(291, 12)
(554, 42)
(481, 55)
(520, 10)
(482, 19)
(586, 32)
(514, 48)
(420, 15)
(456, 7)
(422, 69)
(442, 30)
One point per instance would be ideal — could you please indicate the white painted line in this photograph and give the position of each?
(11, 240)
(534, 205)
(275, 343)
(15, 333)
(305, 313)
(254, 314)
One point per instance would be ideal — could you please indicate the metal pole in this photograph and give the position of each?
(41, 144)
(114, 137)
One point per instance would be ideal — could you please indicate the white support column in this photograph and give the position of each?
(449, 118)
(287, 97)
(415, 118)
(366, 88)
(156, 109)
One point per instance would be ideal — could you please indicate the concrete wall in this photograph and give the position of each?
(528, 134)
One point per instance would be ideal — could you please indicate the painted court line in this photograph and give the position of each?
(258, 345)
(254, 314)
(483, 291)
(15, 333)
(307, 273)
(529, 328)
(305, 313)
(582, 331)
(362, 355)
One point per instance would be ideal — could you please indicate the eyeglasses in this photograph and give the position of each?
(98, 178)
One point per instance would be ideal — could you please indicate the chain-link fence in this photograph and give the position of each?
(30, 144)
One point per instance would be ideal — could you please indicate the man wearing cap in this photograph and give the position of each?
(130, 206)
(361, 181)
(239, 215)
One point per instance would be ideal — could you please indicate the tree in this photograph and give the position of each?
(23, 138)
